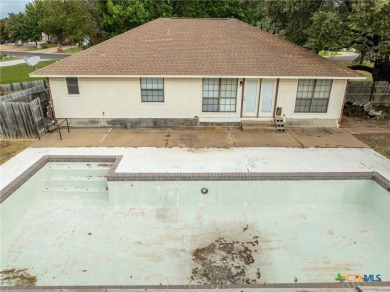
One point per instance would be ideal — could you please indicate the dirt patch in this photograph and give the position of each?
(374, 133)
(17, 277)
(363, 125)
(225, 262)
(379, 142)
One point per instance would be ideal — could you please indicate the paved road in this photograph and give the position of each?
(44, 56)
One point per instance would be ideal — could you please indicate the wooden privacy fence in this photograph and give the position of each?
(13, 87)
(21, 119)
(21, 114)
(377, 92)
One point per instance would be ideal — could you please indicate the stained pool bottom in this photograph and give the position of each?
(151, 233)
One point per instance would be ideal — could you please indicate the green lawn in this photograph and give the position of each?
(326, 53)
(19, 73)
(365, 73)
(73, 50)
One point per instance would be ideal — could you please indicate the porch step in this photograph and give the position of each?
(279, 124)
(260, 126)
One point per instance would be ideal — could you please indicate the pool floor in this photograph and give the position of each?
(64, 241)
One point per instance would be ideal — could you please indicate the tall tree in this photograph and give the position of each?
(33, 14)
(67, 19)
(4, 31)
(289, 18)
(364, 25)
(18, 28)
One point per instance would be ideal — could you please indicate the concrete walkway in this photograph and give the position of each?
(205, 137)
(12, 63)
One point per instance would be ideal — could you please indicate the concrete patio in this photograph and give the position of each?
(202, 137)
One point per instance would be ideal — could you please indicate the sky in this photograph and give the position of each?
(15, 6)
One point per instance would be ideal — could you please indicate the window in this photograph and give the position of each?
(152, 89)
(73, 85)
(313, 95)
(219, 95)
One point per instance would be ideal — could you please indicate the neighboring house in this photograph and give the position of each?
(174, 71)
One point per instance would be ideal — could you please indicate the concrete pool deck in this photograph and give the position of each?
(202, 137)
(212, 160)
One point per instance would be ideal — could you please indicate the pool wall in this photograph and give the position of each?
(174, 194)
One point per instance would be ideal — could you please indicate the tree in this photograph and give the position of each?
(67, 19)
(18, 28)
(4, 31)
(364, 25)
(33, 14)
(122, 15)
(289, 18)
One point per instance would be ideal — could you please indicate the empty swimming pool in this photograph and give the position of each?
(68, 225)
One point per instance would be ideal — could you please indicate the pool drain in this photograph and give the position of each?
(204, 191)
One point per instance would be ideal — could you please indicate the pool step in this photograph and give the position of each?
(77, 169)
(69, 180)
(76, 172)
(78, 193)
(75, 181)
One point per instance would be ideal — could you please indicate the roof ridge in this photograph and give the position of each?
(201, 18)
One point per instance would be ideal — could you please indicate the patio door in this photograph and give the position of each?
(267, 98)
(251, 93)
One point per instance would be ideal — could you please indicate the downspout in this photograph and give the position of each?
(276, 96)
(343, 103)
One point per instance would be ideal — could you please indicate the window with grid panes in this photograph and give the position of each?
(313, 95)
(219, 95)
(152, 89)
(73, 85)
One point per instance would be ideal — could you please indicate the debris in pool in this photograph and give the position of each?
(89, 233)
(104, 165)
(295, 279)
(245, 228)
(224, 262)
(204, 191)
(84, 270)
(17, 277)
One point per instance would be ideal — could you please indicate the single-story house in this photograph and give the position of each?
(191, 71)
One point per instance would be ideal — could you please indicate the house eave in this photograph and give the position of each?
(197, 76)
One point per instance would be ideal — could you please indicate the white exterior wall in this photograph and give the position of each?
(287, 96)
(121, 98)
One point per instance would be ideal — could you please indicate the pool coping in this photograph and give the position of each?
(112, 175)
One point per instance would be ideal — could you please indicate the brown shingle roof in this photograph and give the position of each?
(196, 47)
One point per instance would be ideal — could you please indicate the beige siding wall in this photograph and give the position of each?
(121, 98)
(287, 97)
